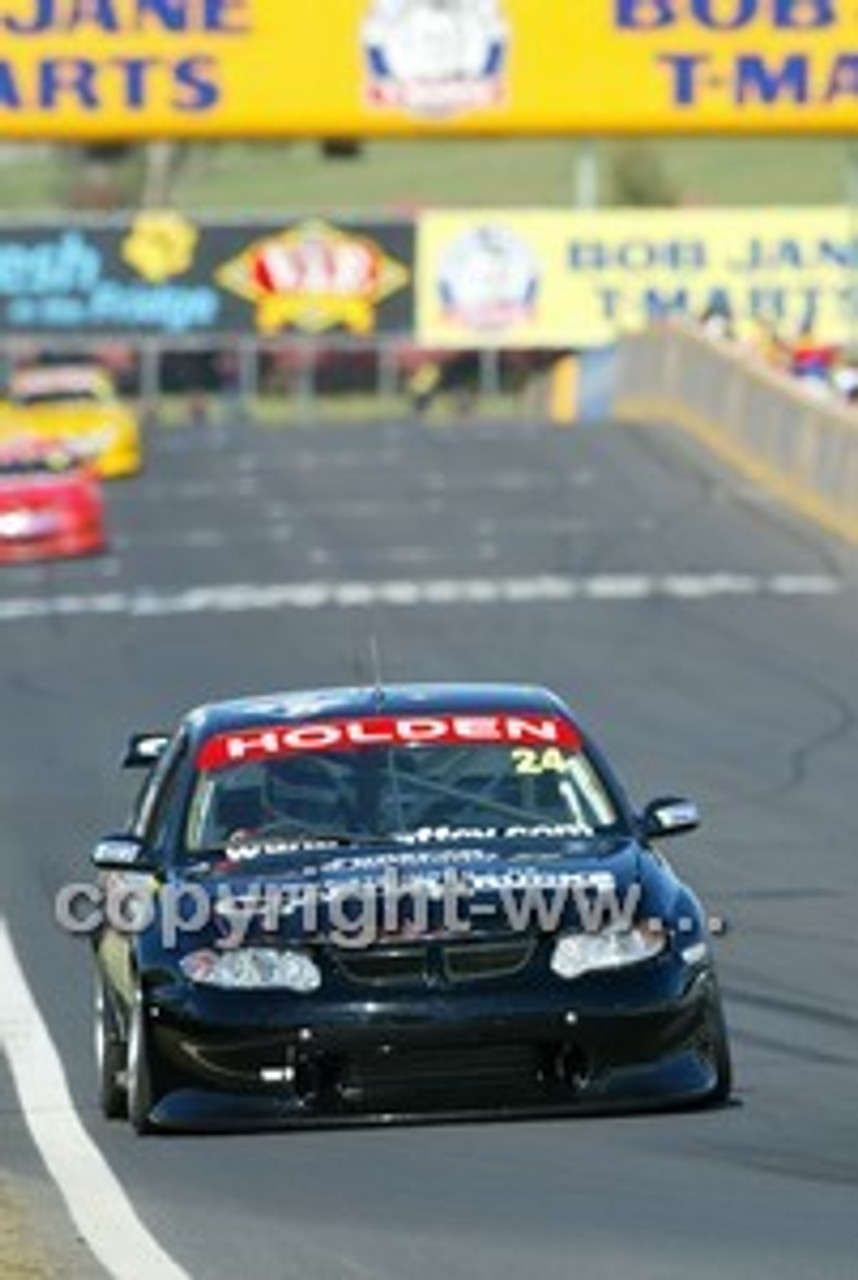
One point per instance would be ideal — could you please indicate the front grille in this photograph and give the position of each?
(444, 1070)
(436, 961)
(470, 961)
(385, 966)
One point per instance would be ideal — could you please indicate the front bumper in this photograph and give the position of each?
(640, 1040)
(86, 541)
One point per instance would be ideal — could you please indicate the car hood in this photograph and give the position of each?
(74, 418)
(500, 886)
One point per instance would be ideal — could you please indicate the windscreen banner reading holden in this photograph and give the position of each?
(559, 280)
(126, 69)
(163, 274)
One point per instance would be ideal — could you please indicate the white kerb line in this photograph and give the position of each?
(94, 1196)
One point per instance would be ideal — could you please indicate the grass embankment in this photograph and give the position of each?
(20, 1258)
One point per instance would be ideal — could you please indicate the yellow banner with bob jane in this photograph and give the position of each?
(123, 69)
(576, 280)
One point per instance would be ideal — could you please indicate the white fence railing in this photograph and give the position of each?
(759, 420)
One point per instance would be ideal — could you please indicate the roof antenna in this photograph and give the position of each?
(375, 663)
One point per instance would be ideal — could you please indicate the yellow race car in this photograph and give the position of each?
(79, 405)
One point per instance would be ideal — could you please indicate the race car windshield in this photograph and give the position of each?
(424, 791)
(59, 464)
(32, 399)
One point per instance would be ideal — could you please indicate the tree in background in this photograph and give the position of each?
(639, 177)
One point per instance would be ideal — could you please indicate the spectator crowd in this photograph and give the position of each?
(824, 369)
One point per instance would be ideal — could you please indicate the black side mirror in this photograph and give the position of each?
(669, 816)
(144, 750)
(121, 853)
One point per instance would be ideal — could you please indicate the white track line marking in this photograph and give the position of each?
(615, 588)
(94, 1197)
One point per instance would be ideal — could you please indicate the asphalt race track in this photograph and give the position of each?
(711, 643)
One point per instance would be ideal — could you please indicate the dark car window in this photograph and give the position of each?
(31, 399)
(40, 466)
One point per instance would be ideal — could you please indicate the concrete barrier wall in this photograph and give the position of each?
(801, 449)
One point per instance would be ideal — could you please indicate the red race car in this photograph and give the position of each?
(51, 504)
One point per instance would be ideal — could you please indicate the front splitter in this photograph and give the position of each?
(684, 1080)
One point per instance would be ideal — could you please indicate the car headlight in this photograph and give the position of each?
(253, 969)
(578, 953)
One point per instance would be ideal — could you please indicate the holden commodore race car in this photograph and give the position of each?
(347, 904)
(77, 403)
(51, 505)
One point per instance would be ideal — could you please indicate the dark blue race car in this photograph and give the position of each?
(422, 900)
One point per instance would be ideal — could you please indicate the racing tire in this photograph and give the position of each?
(141, 1067)
(719, 1053)
(110, 1054)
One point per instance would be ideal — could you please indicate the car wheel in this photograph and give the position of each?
(110, 1054)
(718, 1048)
(141, 1071)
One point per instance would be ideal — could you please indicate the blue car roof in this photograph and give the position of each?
(393, 699)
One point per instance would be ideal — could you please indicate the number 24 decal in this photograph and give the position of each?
(533, 763)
